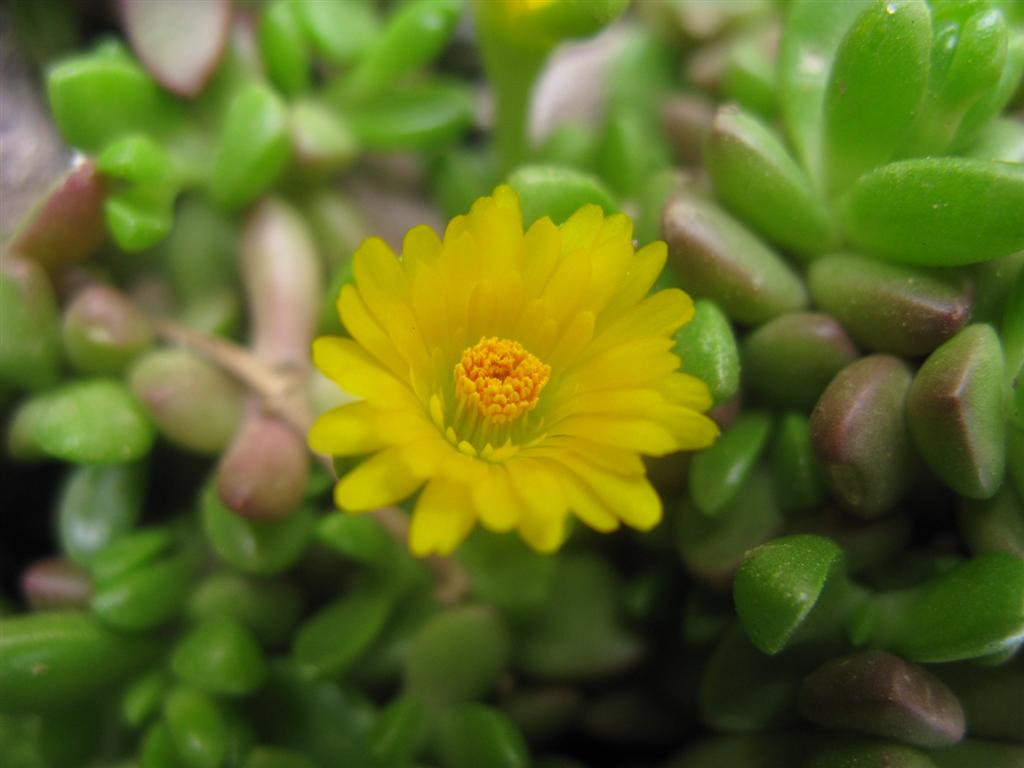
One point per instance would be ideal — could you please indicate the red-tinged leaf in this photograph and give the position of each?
(66, 226)
(180, 43)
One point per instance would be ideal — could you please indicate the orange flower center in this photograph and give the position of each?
(500, 379)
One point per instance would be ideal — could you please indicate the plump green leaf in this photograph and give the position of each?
(790, 360)
(707, 346)
(505, 572)
(630, 152)
(255, 546)
(321, 142)
(340, 32)
(253, 147)
(95, 421)
(889, 307)
(810, 40)
(779, 584)
(968, 62)
(557, 192)
(414, 35)
(144, 598)
(220, 656)
(798, 481)
(860, 437)
(974, 610)
(142, 697)
(474, 735)
(711, 547)
(97, 507)
(193, 404)
(743, 690)
(129, 552)
(269, 609)
(577, 634)
(30, 342)
(332, 640)
(328, 723)
(955, 412)
(716, 257)
(717, 473)
(430, 114)
(140, 217)
(996, 524)
(457, 656)
(103, 331)
(137, 158)
(996, 98)
(939, 212)
(132, 101)
(53, 660)
(285, 48)
(402, 730)
(875, 88)
(197, 728)
(754, 175)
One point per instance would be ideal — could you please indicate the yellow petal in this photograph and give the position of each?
(546, 531)
(542, 248)
(349, 430)
(586, 506)
(442, 518)
(643, 270)
(618, 226)
(499, 231)
(430, 306)
(690, 429)
(573, 341)
(348, 364)
(639, 363)
(382, 479)
(378, 275)
(543, 509)
(632, 497)
(582, 229)
(610, 457)
(635, 434)
(635, 401)
(506, 197)
(568, 284)
(658, 315)
(364, 329)
(495, 502)
(420, 246)
(686, 390)
(610, 262)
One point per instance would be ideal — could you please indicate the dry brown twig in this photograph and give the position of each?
(283, 393)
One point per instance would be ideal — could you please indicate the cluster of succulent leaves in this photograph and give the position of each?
(839, 580)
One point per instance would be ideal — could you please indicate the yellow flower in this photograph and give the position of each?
(512, 378)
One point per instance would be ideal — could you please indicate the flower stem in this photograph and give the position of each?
(512, 65)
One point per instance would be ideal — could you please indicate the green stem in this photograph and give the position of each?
(513, 88)
(512, 66)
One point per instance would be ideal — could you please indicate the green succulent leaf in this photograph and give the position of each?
(253, 147)
(94, 421)
(779, 584)
(876, 87)
(754, 175)
(939, 212)
(810, 40)
(131, 100)
(421, 116)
